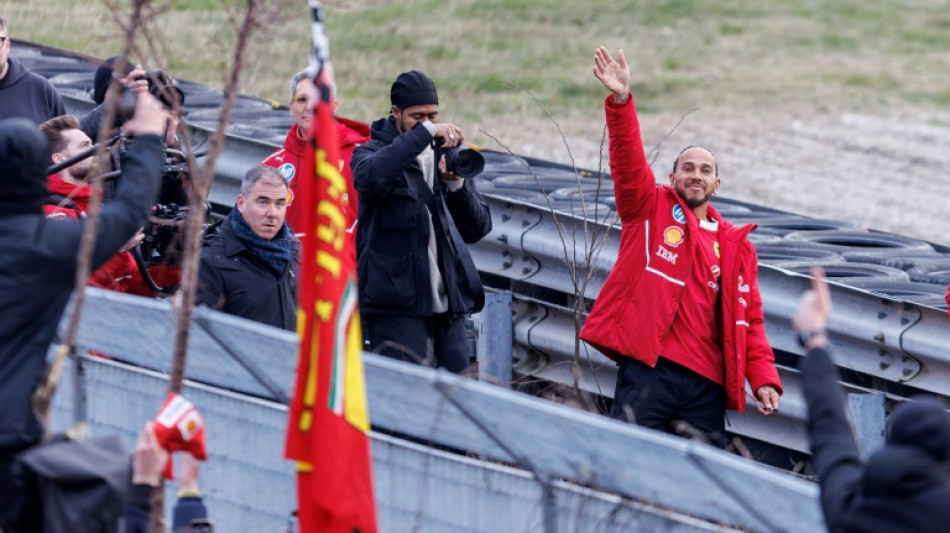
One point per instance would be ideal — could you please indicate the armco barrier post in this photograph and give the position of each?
(868, 416)
(493, 348)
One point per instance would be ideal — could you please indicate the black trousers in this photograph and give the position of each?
(670, 398)
(436, 341)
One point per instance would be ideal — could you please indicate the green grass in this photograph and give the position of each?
(733, 56)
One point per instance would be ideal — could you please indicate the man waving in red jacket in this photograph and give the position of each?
(680, 313)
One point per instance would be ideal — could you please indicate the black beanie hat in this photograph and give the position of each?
(922, 424)
(103, 78)
(411, 89)
(24, 156)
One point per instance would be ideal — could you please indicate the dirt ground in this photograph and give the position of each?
(887, 173)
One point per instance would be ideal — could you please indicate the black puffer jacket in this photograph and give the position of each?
(233, 279)
(905, 486)
(393, 231)
(38, 262)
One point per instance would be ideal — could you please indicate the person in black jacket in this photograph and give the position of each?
(905, 486)
(417, 280)
(38, 270)
(249, 265)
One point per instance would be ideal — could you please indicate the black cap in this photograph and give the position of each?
(413, 88)
(922, 424)
(103, 76)
(24, 155)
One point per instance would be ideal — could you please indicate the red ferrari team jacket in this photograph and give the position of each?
(637, 303)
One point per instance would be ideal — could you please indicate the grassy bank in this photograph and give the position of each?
(728, 56)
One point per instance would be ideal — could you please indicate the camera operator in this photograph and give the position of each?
(70, 194)
(417, 280)
(38, 270)
(114, 69)
(157, 270)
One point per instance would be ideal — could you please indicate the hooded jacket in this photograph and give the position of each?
(636, 305)
(289, 161)
(120, 272)
(38, 263)
(905, 486)
(28, 95)
(393, 232)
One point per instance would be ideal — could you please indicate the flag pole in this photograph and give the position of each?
(328, 421)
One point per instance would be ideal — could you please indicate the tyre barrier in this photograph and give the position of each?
(733, 213)
(757, 238)
(49, 67)
(523, 195)
(846, 272)
(82, 81)
(541, 164)
(850, 240)
(502, 163)
(483, 186)
(775, 251)
(921, 293)
(886, 257)
(547, 182)
(587, 195)
(769, 223)
(931, 271)
(721, 203)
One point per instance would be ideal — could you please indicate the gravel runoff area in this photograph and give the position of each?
(886, 173)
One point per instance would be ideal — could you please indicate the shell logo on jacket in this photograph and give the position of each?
(673, 236)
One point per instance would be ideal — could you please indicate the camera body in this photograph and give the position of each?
(160, 85)
(163, 87)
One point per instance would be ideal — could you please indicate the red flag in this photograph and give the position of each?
(329, 420)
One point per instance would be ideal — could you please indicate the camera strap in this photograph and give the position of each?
(462, 265)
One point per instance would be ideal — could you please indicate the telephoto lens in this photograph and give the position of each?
(464, 161)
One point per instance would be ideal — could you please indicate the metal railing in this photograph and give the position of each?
(537, 466)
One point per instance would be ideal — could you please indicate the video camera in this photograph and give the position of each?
(163, 245)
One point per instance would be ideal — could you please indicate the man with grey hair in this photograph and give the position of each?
(24, 94)
(288, 160)
(249, 265)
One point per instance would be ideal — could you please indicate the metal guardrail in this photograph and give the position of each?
(669, 484)
(870, 333)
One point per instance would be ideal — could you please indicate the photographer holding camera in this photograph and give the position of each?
(417, 280)
(119, 71)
